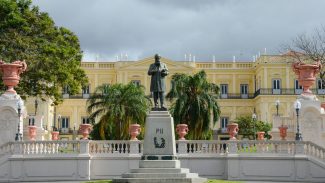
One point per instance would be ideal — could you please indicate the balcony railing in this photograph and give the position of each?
(285, 91)
(237, 96)
(77, 96)
(261, 91)
(66, 131)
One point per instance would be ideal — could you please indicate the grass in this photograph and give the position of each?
(209, 181)
(222, 181)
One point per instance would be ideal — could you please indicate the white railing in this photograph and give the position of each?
(266, 147)
(203, 147)
(47, 147)
(6, 149)
(314, 150)
(115, 147)
(189, 147)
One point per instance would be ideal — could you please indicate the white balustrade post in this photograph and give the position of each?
(299, 148)
(134, 147)
(17, 149)
(84, 147)
(232, 147)
(182, 147)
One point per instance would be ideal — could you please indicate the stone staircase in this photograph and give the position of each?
(158, 171)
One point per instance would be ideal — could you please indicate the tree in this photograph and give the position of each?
(52, 53)
(194, 103)
(309, 48)
(247, 125)
(116, 107)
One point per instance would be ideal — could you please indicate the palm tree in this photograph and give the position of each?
(117, 106)
(194, 103)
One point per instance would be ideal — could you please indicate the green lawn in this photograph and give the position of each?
(222, 181)
(209, 181)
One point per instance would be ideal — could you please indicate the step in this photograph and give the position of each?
(159, 164)
(160, 170)
(160, 180)
(160, 175)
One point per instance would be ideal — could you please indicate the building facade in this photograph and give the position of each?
(245, 87)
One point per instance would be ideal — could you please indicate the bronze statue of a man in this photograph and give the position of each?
(158, 71)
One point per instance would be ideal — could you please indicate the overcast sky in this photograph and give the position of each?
(173, 28)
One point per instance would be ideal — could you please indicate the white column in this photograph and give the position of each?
(287, 78)
(265, 78)
(233, 83)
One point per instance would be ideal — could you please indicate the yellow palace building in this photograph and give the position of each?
(246, 87)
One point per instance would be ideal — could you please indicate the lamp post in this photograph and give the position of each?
(54, 125)
(254, 121)
(18, 134)
(36, 105)
(74, 130)
(277, 104)
(297, 106)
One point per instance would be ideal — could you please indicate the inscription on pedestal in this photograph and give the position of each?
(159, 138)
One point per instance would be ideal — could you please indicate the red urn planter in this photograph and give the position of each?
(10, 74)
(134, 131)
(182, 130)
(322, 105)
(306, 75)
(55, 135)
(85, 130)
(232, 130)
(32, 132)
(260, 135)
(283, 132)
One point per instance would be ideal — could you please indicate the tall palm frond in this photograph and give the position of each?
(194, 102)
(118, 105)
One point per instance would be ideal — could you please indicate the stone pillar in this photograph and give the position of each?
(134, 147)
(9, 117)
(182, 147)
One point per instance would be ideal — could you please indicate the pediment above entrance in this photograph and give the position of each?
(144, 64)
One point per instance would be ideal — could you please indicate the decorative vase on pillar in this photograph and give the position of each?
(55, 135)
(260, 135)
(232, 130)
(85, 130)
(182, 130)
(11, 74)
(283, 131)
(306, 75)
(32, 132)
(322, 105)
(134, 131)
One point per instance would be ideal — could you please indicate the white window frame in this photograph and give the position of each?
(31, 120)
(224, 90)
(244, 90)
(276, 86)
(85, 120)
(298, 88)
(65, 91)
(320, 86)
(136, 82)
(86, 91)
(65, 122)
(223, 124)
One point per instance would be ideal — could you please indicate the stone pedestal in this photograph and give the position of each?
(9, 117)
(159, 162)
(311, 120)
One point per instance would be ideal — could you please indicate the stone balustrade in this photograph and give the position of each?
(184, 147)
(232, 159)
(115, 147)
(6, 149)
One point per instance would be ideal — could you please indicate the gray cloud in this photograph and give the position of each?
(172, 28)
